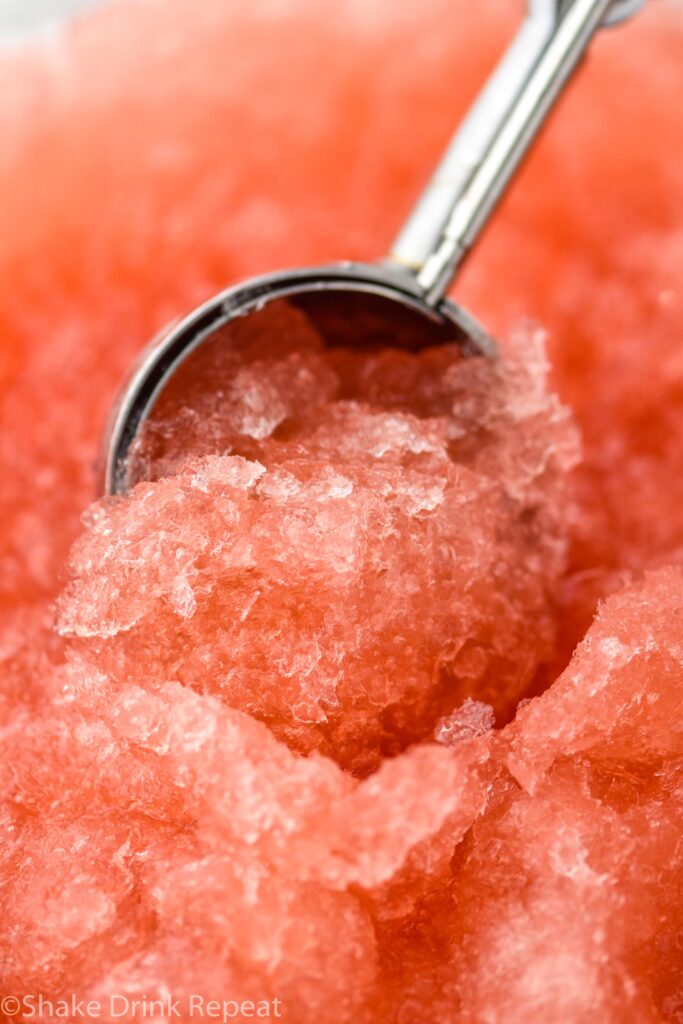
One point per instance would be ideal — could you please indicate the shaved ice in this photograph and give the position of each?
(365, 704)
(346, 572)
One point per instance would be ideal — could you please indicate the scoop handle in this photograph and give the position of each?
(489, 146)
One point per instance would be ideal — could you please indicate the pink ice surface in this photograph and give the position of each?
(324, 712)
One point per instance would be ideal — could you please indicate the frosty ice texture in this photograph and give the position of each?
(345, 571)
(188, 807)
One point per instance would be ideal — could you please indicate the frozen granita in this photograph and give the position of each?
(364, 706)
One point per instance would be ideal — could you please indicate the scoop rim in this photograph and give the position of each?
(161, 358)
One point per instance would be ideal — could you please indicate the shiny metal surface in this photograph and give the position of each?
(352, 303)
(494, 138)
(620, 10)
(330, 296)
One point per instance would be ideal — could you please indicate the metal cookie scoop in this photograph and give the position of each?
(402, 298)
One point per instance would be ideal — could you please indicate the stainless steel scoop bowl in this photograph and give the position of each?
(401, 298)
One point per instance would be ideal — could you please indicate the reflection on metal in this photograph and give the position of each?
(411, 284)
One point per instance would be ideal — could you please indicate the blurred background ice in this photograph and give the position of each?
(17, 17)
